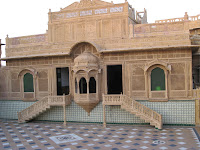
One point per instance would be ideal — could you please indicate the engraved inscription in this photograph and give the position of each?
(65, 138)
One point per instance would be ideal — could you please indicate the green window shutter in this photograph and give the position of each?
(28, 83)
(157, 79)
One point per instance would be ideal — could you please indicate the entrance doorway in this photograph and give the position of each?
(62, 81)
(114, 79)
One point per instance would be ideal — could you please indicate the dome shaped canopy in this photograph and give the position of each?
(86, 65)
(85, 61)
(86, 58)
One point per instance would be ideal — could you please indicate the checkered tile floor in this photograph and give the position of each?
(44, 136)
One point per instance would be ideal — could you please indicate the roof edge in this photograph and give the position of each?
(102, 51)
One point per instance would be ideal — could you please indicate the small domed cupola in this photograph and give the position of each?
(86, 61)
(86, 92)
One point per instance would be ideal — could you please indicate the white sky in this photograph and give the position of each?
(29, 17)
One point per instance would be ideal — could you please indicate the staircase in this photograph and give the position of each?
(41, 106)
(134, 107)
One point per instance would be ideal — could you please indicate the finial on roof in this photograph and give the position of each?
(49, 10)
(186, 16)
(7, 36)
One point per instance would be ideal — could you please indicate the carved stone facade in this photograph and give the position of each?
(94, 39)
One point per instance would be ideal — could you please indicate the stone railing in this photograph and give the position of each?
(59, 100)
(26, 39)
(163, 29)
(112, 99)
(196, 96)
(170, 20)
(190, 18)
(135, 107)
(141, 109)
(42, 105)
(194, 18)
(33, 109)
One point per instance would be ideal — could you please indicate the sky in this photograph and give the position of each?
(29, 17)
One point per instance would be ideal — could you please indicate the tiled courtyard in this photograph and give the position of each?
(74, 136)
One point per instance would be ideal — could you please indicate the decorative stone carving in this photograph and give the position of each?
(28, 96)
(116, 9)
(86, 13)
(73, 14)
(86, 67)
(101, 11)
(157, 62)
(28, 39)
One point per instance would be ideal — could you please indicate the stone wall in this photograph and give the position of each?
(135, 77)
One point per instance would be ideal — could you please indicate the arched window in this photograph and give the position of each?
(28, 83)
(76, 86)
(92, 85)
(83, 86)
(157, 79)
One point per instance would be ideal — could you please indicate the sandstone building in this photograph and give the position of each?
(95, 53)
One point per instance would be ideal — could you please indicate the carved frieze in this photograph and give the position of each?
(27, 39)
(116, 9)
(61, 15)
(101, 11)
(71, 15)
(86, 13)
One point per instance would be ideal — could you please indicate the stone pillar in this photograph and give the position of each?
(64, 111)
(130, 30)
(104, 116)
(88, 89)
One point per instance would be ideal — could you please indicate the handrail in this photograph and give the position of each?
(190, 18)
(29, 111)
(58, 100)
(114, 99)
(133, 105)
(42, 105)
(143, 109)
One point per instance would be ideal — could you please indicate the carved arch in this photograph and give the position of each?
(157, 63)
(28, 96)
(157, 95)
(28, 70)
(98, 48)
